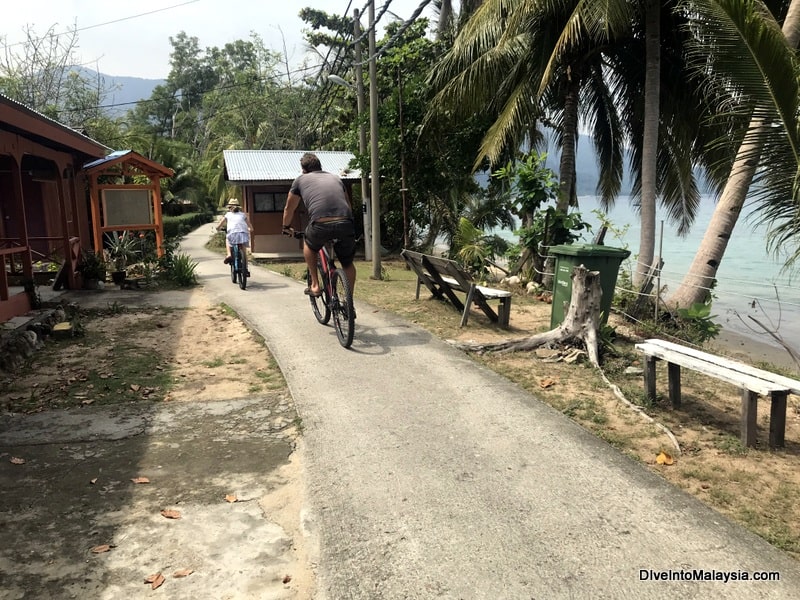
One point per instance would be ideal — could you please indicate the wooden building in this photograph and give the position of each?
(265, 177)
(44, 216)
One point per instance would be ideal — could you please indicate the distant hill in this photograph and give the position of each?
(124, 92)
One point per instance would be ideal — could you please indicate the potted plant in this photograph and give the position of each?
(121, 250)
(92, 269)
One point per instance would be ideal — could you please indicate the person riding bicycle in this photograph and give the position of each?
(330, 217)
(238, 227)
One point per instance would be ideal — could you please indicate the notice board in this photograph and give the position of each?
(127, 207)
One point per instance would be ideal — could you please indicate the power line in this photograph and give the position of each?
(120, 20)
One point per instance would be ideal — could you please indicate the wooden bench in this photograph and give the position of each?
(753, 382)
(445, 277)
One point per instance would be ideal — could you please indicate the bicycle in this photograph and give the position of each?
(238, 263)
(337, 296)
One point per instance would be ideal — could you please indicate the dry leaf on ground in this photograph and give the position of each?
(102, 548)
(664, 459)
(140, 480)
(17, 461)
(231, 498)
(171, 514)
(287, 578)
(155, 580)
(182, 573)
(546, 382)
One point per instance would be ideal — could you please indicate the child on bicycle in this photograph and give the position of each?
(238, 227)
(329, 217)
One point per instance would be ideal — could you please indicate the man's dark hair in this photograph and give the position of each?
(310, 162)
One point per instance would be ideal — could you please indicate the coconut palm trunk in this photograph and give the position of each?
(652, 94)
(696, 285)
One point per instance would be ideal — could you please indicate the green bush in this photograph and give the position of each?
(182, 270)
(178, 226)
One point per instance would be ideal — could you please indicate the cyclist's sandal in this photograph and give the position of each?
(308, 292)
(227, 260)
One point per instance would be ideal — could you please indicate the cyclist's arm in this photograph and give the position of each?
(222, 222)
(292, 202)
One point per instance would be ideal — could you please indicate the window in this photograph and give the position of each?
(269, 201)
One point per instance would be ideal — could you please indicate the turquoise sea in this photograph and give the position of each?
(750, 281)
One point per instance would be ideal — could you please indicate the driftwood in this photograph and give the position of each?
(581, 323)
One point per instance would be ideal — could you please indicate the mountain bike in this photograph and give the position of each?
(337, 296)
(239, 272)
(238, 263)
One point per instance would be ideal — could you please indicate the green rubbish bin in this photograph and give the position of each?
(604, 259)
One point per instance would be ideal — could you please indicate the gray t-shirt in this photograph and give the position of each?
(323, 195)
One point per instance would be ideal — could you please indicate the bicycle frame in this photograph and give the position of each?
(334, 302)
(239, 266)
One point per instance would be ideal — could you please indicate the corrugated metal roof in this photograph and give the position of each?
(113, 156)
(282, 165)
(145, 164)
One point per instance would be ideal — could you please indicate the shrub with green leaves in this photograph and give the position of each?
(182, 270)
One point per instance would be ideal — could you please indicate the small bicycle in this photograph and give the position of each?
(337, 296)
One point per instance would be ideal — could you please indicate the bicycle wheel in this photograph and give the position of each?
(320, 305)
(342, 308)
(242, 270)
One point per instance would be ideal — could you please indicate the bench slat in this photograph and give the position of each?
(724, 373)
(792, 385)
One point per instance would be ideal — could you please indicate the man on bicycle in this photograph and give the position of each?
(330, 217)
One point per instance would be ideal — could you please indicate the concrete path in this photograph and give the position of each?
(429, 476)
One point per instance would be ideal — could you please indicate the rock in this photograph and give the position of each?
(633, 371)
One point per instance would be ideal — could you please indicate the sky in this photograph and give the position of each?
(132, 38)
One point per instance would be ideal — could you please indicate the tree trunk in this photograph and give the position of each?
(581, 323)
(702, 273)
(566, 186)
(652, 94)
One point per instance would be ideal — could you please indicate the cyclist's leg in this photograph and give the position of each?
(228, 251)
(243, 253)
(345, 249)
(315, 238)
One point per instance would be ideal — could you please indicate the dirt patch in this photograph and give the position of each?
(758, 487)
(210, 417)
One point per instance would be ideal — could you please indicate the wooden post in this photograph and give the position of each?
(777, 420)
(749, 414)
(650, 377)
(674, 372)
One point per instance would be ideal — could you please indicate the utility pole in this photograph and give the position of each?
(373, 134)
(403, 186)
(362, 138)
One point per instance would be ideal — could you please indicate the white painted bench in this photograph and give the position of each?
(444, 277)
(753, 382)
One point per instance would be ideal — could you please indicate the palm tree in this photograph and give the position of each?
(571, 61)
(511, 61)
(768, 75)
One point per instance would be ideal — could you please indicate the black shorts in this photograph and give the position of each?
(318, 234)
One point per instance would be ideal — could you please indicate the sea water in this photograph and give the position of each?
(750, 280)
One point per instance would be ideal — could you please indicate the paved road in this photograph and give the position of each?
(429, 476)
